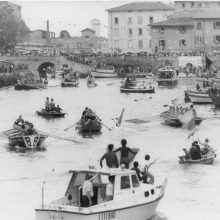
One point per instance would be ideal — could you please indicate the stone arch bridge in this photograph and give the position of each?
(36, 63)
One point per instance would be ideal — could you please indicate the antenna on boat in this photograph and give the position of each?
(43, 184)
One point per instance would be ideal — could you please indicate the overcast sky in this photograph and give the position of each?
(66, 15)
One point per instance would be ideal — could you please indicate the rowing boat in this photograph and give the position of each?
(70, 84)
(50, 114)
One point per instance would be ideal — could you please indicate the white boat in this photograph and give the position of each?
(131, 198)
(166, 77)
(105, 72)
(199, 98)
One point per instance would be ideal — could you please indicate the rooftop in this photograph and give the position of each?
(174, 22)
(141, 6)
(87, 29)
(104, 171)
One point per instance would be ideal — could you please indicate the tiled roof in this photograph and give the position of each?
(174, 22)
(88, 29)
(141, 6)
(207, 14)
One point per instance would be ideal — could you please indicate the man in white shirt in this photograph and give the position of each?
(87, 192)
(109, 189)
(145, 165)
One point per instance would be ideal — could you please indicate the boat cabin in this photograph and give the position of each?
(165, 73)
(125, 182)
(106, 69)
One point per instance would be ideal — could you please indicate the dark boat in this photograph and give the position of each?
(50, 114)
(70, 84)
(206, 159)
(215, 100)
(89, 126)
(137, 90)
(166, 77)
(29, 86)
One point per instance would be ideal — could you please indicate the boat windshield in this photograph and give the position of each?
(165, 74)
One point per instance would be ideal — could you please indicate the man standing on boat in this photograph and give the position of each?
(109, 189)
(110, 157)
(87, 192)
(125, 153)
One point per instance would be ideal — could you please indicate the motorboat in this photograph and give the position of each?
(166, 77)
(132, 199)
(199, 98)
(104, 72)
(50, 114)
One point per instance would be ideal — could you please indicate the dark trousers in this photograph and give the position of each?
(85, 201)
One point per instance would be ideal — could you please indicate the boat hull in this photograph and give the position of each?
(104, 75)
(91, 85)
(93, 126)
(136, 90)
(140, 212)
(167, 82)
(25, 87)
(51, 114)
(199, 98)
(215, 100)
(69, 84)
(27, 141)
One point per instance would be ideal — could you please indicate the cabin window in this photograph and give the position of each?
(125, 182)
(152, 191)
(146, 194)
(135, 181)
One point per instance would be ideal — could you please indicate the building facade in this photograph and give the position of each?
(128, 29)
(196, 5)
(195, 32)
(13, 9)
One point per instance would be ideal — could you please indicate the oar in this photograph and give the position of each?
(105, 126)
(153, 163)
(108, 84)
(2, 138)
(7, 131)
(120, 118)
(65, 139)
(70, 126)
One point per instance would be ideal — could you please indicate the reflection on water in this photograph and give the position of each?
(192, 190)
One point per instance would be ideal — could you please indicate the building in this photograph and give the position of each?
(88, 42)
(39, 37)
(96, 26)
(187, 31)
(128, 29)
(196, 5)
(64, 34)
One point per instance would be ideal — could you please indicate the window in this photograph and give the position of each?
(199, 4)
(129, 20)
(219, 4)
(162, 45)
(216, 24)
(129, 32)
(198, 39)
(116, 44)
(182, 29)
(192, 4)
(146, 194)
(44, 34)
(116, 33)
(125, 182)
(199, 25)
(130, 45)
(182, 43)
(151, 19)
(87, 36)
(140, 20)
(217, 39)
(140, 44)
(116, 20)
(135, 181)
(183, 5)
(140, 31)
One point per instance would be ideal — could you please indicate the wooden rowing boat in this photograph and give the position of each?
(137, 89)
(89, 126)
(50, 114)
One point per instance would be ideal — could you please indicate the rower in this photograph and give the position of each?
(58, 109)
(195, 151)
(19, 121)
(206, 147)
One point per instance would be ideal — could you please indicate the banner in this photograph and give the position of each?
(195, 60)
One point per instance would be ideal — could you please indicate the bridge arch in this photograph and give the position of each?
(42, 67)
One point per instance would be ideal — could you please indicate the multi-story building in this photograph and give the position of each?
(196, 5)
(13, 9)
(128, 29)
(64, 34)
(187, 31)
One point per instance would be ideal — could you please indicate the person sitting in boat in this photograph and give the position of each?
(109, 189)
(145, 165)
(19, 82)
(58, 109)
(89, 115)
(137, 170)
(206, 147)
(198, 88)
(87, 192)
(30, 130)
(84, 112)
(125, 153)
(52, 105)
(127, 82)
(110, 157)
(19, 121)
(47, 104)
(195, 152)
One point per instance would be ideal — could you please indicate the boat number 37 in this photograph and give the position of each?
(107, 215)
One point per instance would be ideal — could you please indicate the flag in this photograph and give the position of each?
(208, 62)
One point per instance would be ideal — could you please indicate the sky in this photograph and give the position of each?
(73, 16)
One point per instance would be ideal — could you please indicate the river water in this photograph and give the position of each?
(192, 191)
